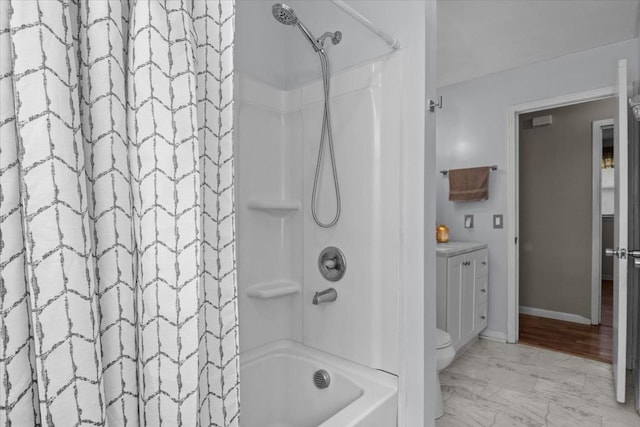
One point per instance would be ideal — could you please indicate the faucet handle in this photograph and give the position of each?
(330, 263)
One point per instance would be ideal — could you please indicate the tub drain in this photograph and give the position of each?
(321, 379)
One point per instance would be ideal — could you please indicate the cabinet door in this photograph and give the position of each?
(455, 277)
(441, 293)
(467, 301)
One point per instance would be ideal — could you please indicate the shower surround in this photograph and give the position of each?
(117, 252)
(285, 337)
(279, 243)
(277, 139)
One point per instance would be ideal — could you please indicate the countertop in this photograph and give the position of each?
(456, 248)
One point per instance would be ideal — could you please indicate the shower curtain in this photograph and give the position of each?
(118, 295)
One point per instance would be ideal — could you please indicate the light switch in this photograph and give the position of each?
(498, 221)
(468, 221)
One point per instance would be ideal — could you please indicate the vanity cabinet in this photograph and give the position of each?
(461, 290)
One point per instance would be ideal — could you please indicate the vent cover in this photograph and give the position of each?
(542, 121)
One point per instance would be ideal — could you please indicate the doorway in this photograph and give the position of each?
(560, 221)
(604, 212)
(558, 246)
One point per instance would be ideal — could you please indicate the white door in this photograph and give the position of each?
(621, 232)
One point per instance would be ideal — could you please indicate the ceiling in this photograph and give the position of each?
(480, 37)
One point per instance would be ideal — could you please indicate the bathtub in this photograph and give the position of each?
(277, 390)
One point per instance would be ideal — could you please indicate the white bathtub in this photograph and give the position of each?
(277, 390)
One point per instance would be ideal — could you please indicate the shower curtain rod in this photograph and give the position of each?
(394, 43)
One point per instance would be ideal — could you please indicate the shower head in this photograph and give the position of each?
(284, 14)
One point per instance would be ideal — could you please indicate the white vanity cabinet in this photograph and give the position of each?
(461, 290)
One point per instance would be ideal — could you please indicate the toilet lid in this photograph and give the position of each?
(443, 339)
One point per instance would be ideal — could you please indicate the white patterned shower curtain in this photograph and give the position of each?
(118, 298)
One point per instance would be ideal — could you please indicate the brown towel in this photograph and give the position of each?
(469, 184)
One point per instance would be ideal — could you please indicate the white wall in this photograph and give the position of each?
(268, 248)
(472, 131)
(260, 43)
(362, 324)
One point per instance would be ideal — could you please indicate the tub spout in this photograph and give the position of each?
(325, 296)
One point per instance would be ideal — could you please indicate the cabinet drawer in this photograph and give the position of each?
(482, 289)
(482, 268)
(479, 259)
(481, 317)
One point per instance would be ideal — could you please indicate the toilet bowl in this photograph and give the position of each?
(444, 356)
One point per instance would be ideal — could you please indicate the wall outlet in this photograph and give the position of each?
(468, 221)
(498, 221)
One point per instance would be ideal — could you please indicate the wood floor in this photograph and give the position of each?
(588, 341)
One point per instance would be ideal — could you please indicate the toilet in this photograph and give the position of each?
(444, 356)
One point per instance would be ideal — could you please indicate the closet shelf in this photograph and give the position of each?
(279, 208)
(273, 290)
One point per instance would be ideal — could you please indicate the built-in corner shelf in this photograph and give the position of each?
(273, 290)
(279, 208)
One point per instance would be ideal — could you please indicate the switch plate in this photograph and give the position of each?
(498, 221)
(468, 221)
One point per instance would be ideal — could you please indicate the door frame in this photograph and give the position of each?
(513, 142)
(633, 359)
(596, 219)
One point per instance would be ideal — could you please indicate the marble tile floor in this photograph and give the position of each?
(505, 385)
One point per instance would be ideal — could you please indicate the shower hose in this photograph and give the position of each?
(328, 135)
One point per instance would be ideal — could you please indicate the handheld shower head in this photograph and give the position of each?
(284, 14)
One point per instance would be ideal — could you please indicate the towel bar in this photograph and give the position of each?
(446, 172)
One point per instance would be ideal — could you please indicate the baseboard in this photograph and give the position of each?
(490, 335)
(558, 315)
